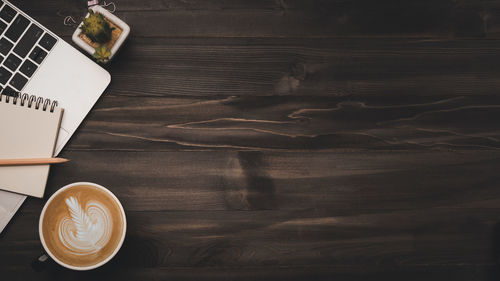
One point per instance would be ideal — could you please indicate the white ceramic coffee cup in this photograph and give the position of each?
(82, 267)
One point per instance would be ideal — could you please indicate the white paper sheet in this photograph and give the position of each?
(9, 204)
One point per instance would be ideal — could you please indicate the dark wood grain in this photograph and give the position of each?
(290, 140)
(291, 123)
(317, 18)
(307, 67)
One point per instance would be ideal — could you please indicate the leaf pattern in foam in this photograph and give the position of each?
(79, 217)
(87, 229)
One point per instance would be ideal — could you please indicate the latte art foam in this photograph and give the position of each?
(82, 225)
(88, 229)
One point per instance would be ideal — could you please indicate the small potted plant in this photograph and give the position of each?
(101, 34)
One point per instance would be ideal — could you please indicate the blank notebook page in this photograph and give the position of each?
(26, 133)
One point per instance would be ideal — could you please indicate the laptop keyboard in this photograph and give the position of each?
(23, 47)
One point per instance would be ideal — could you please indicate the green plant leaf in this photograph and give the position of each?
(102, 54)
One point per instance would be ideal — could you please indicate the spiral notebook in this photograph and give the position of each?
(28, 129)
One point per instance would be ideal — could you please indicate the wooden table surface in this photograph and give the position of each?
(290, 140)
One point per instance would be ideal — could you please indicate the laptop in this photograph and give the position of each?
(36, 61)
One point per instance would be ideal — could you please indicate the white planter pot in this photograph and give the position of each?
(118, 22)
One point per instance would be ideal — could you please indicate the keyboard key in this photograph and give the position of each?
(12, 62)
(3, 26)
(28, 68)
(18, 81)
(4, 75)
(7, 13)
(38, 55)
(29, 39)
(10, 92)
(17, 28)
(5, 46)
(47, 41)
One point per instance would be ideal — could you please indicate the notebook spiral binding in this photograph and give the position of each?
(31, 101)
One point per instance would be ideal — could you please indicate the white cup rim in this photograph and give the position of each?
(97, 264)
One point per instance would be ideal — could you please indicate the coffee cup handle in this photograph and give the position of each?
(41, 262)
